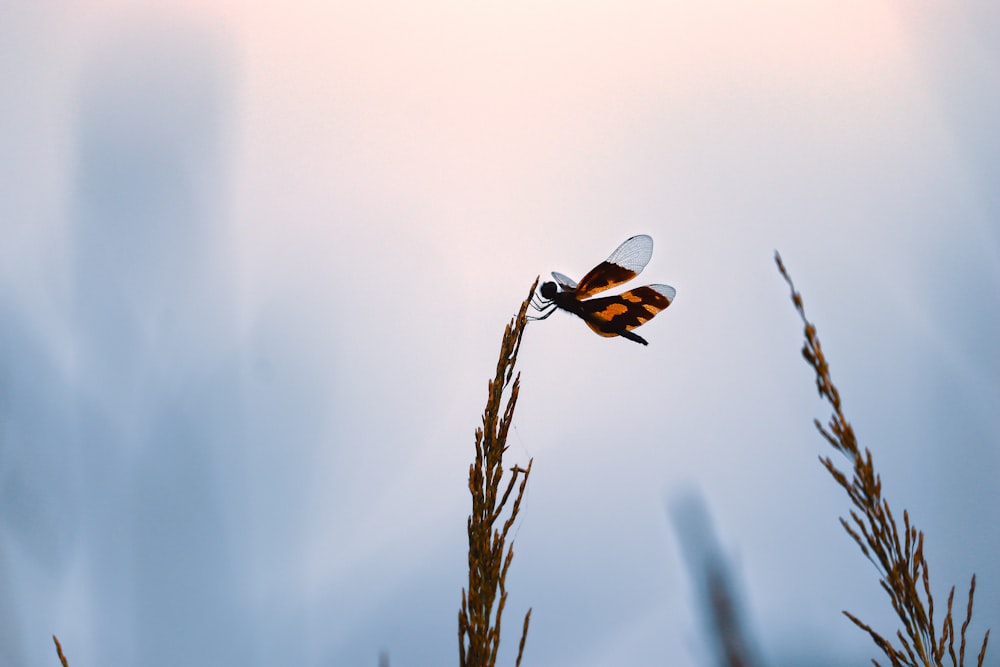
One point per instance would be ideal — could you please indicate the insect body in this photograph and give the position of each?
(610, 315)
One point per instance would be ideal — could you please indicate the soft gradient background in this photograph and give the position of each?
(256, 259)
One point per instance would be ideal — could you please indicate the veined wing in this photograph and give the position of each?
(610, 314)
(624, 264)
(565, 282)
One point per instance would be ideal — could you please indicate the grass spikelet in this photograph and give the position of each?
(62, 658)
(489, 554)
(897, 553)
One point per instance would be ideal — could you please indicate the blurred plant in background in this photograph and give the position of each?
(726, 623)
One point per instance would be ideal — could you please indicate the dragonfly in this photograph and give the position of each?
(614, 315)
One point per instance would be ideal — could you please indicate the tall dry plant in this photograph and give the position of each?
(489, 555)
(898, 555)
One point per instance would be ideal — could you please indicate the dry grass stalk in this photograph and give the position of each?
(898, 555)
(489, 555)
(62, 658)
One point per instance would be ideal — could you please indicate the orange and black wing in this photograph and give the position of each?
(611, 315)
(623, 265)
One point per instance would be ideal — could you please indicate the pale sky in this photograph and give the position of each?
(257, 259)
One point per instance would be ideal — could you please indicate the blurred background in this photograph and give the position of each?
(257, 258)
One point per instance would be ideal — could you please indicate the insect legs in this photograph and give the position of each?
(545, 307)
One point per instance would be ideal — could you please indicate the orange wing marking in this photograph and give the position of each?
(624, 264)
